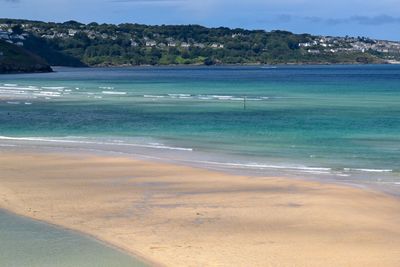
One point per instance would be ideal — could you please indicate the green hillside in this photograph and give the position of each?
(75, 44)
(14, 59)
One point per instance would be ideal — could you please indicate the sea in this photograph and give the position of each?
(336, 123)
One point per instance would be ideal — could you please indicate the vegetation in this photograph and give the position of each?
(14, 59)
(75, 44)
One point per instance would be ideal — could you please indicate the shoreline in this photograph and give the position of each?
(174, 206)
(231, 65)
(371, 179)
(94, 238)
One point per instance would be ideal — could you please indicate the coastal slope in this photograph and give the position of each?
(15, 59)
(182, 216)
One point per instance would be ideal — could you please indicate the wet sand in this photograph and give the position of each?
(182, 216)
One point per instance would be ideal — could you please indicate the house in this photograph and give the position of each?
(151, 43)
(235, 35)
(4, 35)
(313, 51)
(217, 46)
(72, 32)
(305, 44)
(199, 45)
(134, 44)
(185, 45)
(171, 44)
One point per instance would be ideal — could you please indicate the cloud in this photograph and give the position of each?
(377, 20)
(362, 20)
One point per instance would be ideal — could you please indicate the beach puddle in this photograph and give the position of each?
(24, 242)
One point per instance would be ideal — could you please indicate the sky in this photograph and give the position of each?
(371, 18)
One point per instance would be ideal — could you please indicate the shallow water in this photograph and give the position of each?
(327, 121)
(28, 243)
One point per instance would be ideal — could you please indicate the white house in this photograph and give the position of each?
(4, 35)
(171, 44)
(217, 46)
(185, 45)
(72, 32)
(151, 43)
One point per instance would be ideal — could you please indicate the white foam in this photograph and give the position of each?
(48, 94)
(179, 95)
(113, 93)
(153, 96)
(266, 166)
(54, 87)
(10, 84)
(222, 97)
(44, 139)
(368, 170)
(19, 88)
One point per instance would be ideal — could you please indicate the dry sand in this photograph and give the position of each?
(183, 216)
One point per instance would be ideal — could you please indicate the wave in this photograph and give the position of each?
(368, 170)
(117, 143)
(29, 88)
(113, 93)
(54, 87)
(266, 166)
(153, 96)
(341, 172)
(209, 97)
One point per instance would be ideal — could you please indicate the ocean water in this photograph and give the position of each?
(330, 122)
(29, 243)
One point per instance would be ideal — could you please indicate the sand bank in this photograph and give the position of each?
(183, 216)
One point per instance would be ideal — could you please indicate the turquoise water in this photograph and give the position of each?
(28, 243)
(340, 121)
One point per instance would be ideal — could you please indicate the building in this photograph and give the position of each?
(151, 43)
(171, 44)
(4, 35)
(134, 44)
(313, 51)
(185, 45)
(72, 32)
(217, 46)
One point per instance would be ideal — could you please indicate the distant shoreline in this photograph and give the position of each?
(228, 65)
(198, 65)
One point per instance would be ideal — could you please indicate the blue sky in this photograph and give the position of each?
(373, 18)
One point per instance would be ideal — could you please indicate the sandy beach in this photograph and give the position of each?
(182, 216)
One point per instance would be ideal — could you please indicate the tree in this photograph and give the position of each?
(17, 29)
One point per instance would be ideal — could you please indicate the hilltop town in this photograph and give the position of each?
(76, 44)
